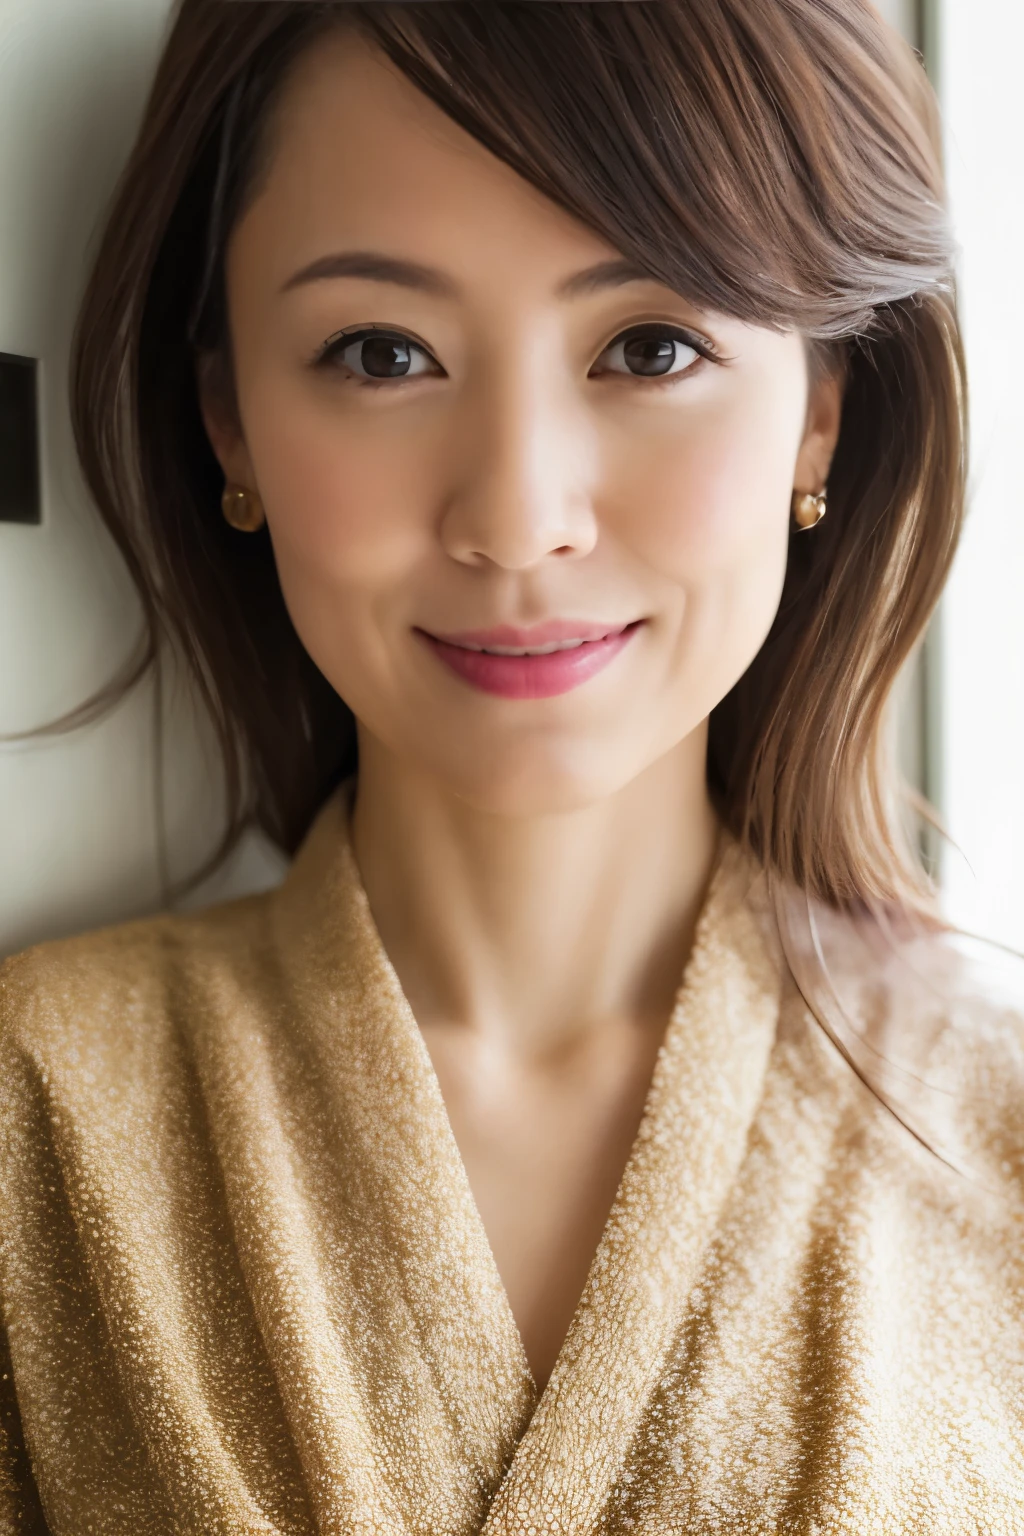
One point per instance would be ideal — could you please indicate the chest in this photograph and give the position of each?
(263, 1343)
(544, 1149)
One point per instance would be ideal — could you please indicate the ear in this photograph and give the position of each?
(219, 411)
(821, 430)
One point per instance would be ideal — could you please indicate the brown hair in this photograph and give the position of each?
(776, 160)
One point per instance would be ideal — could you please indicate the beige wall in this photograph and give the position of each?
(902, 14)
(77, 815)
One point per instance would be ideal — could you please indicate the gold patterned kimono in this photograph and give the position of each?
(245, 1286)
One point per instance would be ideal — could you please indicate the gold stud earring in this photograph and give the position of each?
(243, 509)
(808, 509)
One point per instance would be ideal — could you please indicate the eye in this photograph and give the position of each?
(376, 356)
(651, 352)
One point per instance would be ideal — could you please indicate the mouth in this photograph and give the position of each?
(536, 663)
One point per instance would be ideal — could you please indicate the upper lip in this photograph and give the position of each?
(511, 637)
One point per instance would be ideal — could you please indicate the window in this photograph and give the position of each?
(980, 737)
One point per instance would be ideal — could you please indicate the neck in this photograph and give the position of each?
(534, 931)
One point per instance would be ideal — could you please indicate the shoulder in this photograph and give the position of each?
(934, 1026)
(106, 986)
(159, 987)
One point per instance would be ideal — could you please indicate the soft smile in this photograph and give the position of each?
(535, 663)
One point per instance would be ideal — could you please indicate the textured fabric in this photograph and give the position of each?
(246, 1289)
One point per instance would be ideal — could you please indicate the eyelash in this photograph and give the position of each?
(702, 345)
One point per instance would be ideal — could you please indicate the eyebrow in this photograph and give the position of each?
(374, 266)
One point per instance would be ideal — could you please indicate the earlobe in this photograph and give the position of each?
(821, 433)
(220, 418)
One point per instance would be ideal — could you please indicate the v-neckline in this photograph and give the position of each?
(702, 1094)
(645, 1129)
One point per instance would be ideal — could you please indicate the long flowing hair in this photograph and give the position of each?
(778, 162)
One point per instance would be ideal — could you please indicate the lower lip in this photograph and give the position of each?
(531, 677)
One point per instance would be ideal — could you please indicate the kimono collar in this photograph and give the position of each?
(523, 1460)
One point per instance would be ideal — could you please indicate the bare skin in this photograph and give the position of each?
(535, 866)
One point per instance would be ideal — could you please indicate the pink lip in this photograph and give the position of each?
(531, 677)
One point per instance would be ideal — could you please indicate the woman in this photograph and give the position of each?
(524, 348)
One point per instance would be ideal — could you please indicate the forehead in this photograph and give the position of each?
(357, 155)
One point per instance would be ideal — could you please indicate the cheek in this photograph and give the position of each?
(705, 503)
(346, 512)
(710, 492)
(351, 526)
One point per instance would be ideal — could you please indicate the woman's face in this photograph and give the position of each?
(475, 431)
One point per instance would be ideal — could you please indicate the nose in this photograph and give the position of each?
(524, 497)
